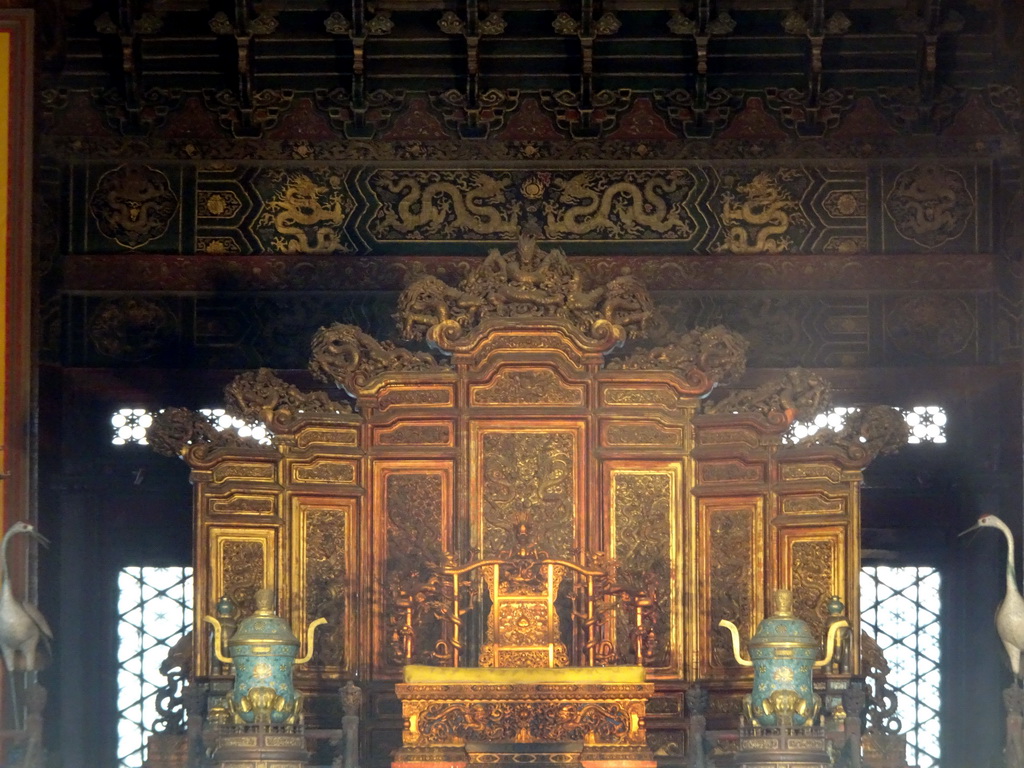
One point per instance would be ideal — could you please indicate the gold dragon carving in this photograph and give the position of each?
(175, 430)
(539, 720)
(627, 207)
(242, 567)
(729, 583)
(436, 202)
(414, 589)
(525, 283)
(717, 351)
(643, 557)
(307, 216)
(528, 479)
(349, 358)
(812, 581)
(261, 396)
(798, 394)
(866, 433)
(757, 221)
(327, 582)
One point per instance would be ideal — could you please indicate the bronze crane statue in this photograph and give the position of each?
(22, 626)
(1010, 613)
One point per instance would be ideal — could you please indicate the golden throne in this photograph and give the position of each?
(543, 631)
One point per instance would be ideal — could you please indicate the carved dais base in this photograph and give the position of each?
(260, 746)
(783, 748)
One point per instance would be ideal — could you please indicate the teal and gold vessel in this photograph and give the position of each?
(783, 653)
(263, 651)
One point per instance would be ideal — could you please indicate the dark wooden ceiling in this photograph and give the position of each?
(585, 54)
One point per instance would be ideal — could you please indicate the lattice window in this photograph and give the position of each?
(155, 610)
(900, 608)
(927, 424)
(130, 425)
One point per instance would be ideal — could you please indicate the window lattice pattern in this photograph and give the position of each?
(155, 610)
(927, 424)
(900, 607)
(130, 425)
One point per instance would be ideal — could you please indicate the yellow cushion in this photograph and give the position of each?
(421, 673)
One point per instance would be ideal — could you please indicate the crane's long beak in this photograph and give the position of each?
(972, 528)
(40, 538)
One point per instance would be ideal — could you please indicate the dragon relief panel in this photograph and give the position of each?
(812, 581)
(761, 212)
(242, 567)
(327, 581)
(930, 205)
(528, 478)
(133, 205)
(429, 204)
(302, 211)
(644, 204)
(414, 518)
(643, 504)
(729, 555)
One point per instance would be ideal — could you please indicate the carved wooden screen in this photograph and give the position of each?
(532, 413)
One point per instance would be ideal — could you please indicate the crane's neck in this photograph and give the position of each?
(3, 557)
(1011, 556)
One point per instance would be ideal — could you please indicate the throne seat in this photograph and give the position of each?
(525, 690)
(422, 674)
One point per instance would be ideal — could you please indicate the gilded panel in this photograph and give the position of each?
(327, 437)
(731, 546)
(810, 471)
(436, 433)
(420, 396)
(526, 475)
(244, 470)
(813, 504)
(729, 471)
(638, 395)
(323, 471)
(242, 561)
(640, 434)
(413, 501)
(646, 548)
(322, 562)
(727, 436)
(540, 386)
(242, 503)
(815, 562)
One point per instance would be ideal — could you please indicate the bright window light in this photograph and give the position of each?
(900, 608)
(154, 610)
(927, 424)
(130, 426)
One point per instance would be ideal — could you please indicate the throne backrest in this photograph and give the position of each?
(523, 625)
(526, 597)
